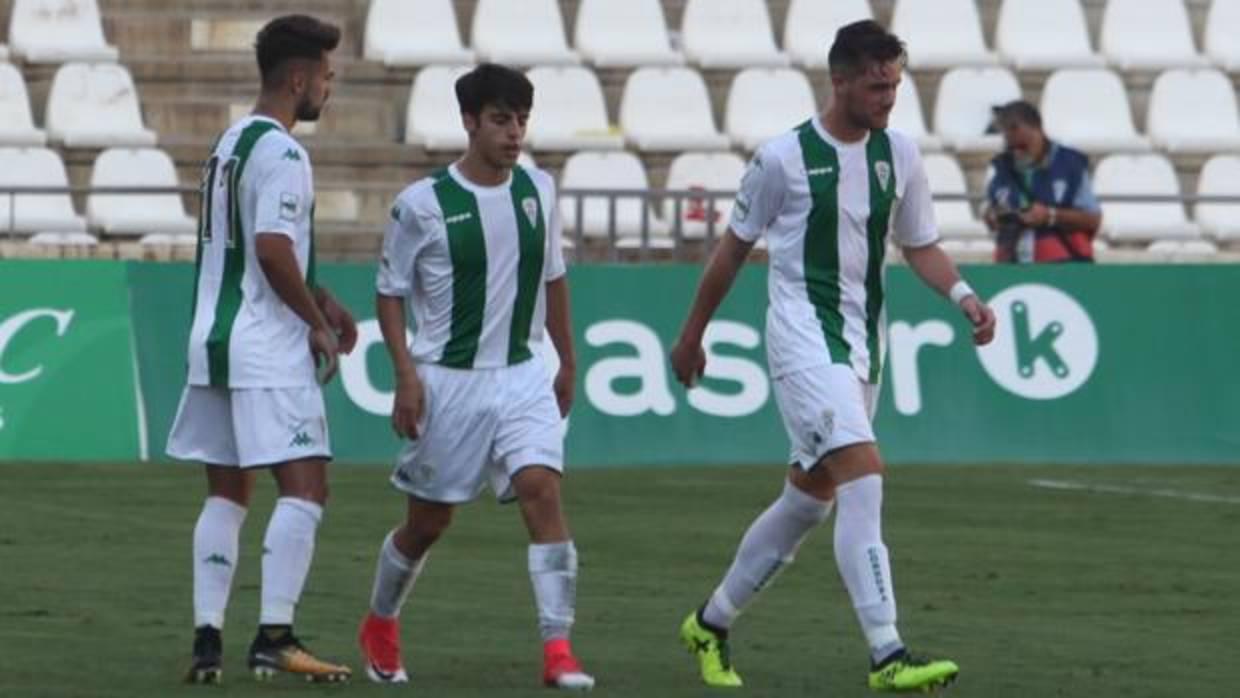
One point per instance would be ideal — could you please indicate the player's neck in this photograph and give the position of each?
(835, 122)
(477, 170)
(275, 108)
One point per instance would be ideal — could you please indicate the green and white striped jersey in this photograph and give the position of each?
(257, 180)
(826, 209)
(473, 262)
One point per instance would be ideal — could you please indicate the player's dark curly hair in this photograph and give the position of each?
(289, 37)
(864, 42)
(494, 85)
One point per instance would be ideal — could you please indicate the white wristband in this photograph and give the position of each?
(960, 291)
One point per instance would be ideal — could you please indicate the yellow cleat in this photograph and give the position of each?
(711, 650)
(285, 654)
(906, 673)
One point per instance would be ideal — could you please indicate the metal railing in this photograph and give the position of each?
(695, 214)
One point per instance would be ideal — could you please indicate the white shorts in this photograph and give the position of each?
(479, 427)
(250, 427)
(825, 408)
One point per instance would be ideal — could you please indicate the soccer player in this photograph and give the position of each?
(827, 195)
(260, 326)
(474, 249)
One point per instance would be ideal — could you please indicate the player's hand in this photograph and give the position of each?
(982, 318)
(564, 385)
(688, 362)
(342, 322)
(324, 348)
(407, 410)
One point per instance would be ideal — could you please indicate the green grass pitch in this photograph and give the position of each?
(1128, 589)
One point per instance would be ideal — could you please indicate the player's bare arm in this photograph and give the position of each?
(339, 317)
(938, 271)
(279, 264)
(407, 409)
(688, 358)
(560, 329)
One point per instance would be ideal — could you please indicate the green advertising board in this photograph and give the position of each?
(67, 389)
(1091, 364)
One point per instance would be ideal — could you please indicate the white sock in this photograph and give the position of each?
(215, 558)
(864, 564)
(768, 546)
(394, 578)
(553, 572)
(287, 550)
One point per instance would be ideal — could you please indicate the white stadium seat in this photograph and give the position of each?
(906, 115)
(1193, 111)
(1222, 41)
(941, 33)
(1044, 35)
(621, 34)
(1148, 35)
(963, 111)
(765, 102)
(955, 218)
(171, 239)
(433, 117)
(35, 213)
(810, 26)
(63, 239)
(729, 34)
(414, 32)
(669, 109)
(1220, 177)
(95, 106)
(55, 31)
(1088, 108)
(16, 123)
(569, 113)
(617, 170)
(704, 171)
(1180, 251)
(1141, 221)
(529, 32)
(135, 214)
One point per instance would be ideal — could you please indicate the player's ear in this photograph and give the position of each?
(298, 78)
(469, 121)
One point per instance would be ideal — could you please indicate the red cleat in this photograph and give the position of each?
(562, 670)
(380, 642)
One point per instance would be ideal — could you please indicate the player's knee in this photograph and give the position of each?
(428, 526)
(538, 486)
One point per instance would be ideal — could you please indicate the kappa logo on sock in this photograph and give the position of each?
(216, 559)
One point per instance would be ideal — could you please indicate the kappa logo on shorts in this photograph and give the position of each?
(423, 472)
(827, 425)
(301, 437)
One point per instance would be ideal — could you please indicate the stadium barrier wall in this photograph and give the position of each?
(1092, 364)
(67, 367)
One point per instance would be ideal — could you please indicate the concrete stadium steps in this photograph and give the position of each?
(346, 119)
(158, 27)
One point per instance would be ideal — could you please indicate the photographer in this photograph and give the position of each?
(1040, 203)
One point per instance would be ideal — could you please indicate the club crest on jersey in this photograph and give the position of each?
(882, 170)
(530, 205)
